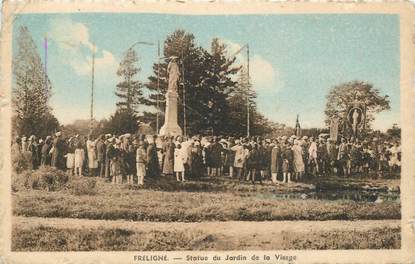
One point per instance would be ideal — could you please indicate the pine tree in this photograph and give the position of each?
(238, 112)
(205, 82)
(129, 90)
(31, 90)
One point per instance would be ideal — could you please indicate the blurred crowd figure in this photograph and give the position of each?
(133, 158)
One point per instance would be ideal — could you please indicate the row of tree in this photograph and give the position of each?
(213, 90)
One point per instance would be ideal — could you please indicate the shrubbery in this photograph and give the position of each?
(21, 162)
(51, 179)
(45, 178)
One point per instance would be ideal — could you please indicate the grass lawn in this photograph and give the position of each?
(249, 204)
(62, 234)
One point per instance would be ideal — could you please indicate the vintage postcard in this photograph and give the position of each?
(180, 132)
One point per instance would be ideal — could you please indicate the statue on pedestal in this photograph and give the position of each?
(171, 127)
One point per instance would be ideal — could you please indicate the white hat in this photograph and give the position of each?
(58, 133)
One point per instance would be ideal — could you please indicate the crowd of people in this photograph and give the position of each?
(132, 158)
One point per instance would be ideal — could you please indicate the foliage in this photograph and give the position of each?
(215, 98)
(121, 122)
(342, 96)
(31, 90)
(45, 178)
(129, 89)
(394, 133)
(21, 161)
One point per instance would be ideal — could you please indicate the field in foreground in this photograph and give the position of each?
(86, 214)
(252, 203)
(60, 234)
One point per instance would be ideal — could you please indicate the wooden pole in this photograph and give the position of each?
(158, 87)
(92, 90)
(247, 96)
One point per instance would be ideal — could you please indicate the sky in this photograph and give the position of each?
(294, 59)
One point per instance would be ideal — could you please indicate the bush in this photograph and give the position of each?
(21, 162)
(82, 186)
(45, 178)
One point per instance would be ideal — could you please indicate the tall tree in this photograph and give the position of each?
(204, 85)
(239, 99)
(191, 64)
(129, 90)
(31, 90)
(342, 96)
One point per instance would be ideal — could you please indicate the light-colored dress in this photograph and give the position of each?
(240, 156)
(179, 160)
(79, 157)
(298, 158)
(92, 155)
(70, 160)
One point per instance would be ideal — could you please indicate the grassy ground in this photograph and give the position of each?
(124, 202)
(209, 214)
(39, 234)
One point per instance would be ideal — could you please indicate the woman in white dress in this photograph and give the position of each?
(92, 156)
(79, 159)
(70, 157)
(298, 160)
(179, 163)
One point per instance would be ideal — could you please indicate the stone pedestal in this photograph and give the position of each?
(171, 127)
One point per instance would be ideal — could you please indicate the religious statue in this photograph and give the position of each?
(355, 117)
(174, 74)
(171, 126)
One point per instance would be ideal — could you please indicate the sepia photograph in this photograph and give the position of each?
(154, 131)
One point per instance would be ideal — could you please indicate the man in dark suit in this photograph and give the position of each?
(101, 150)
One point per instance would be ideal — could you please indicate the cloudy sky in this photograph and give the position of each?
(295, 59)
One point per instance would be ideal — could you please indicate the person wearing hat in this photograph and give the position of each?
(312, 157)
(179, 161)
(305, 144)
(116, 170)
(287, 162)
(168, 156)
(298, 162)
(276, 162)
(253, 164)
(109, 155)
(58, 152)
(141, 162)
(92, 156)
(342, 156)
(79, 158)
(215, 153)
(240, 159)
(196, 160)
(322, 157)
(33, 147)
(153, 165)
(44, 152)
(101, 148)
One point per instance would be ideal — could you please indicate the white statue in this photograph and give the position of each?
(174, 74)
(355, 117)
